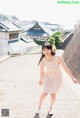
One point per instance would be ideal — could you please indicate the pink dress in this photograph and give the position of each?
(52, 75)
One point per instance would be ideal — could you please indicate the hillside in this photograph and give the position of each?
(3, 17)
(8, 17)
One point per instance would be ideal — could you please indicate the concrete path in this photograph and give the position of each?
(20, 92)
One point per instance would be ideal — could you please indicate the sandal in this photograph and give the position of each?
(36, 115)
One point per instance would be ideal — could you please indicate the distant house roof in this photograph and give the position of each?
(8, 26)
(44, 30)
(26, 39)
(53, 27)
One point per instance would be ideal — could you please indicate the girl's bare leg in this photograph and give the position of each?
(43, 95)
(53, 98)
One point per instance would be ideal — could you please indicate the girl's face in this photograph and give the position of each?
(46, 51)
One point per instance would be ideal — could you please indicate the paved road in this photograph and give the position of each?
(19, 90)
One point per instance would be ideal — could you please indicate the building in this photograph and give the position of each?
(12, 39)
(52, 27)
(40, 30)
(9, 31)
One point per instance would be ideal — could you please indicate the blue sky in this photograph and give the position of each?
(42, 10)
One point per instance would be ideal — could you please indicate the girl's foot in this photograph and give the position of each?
(36, 115)
(38, 110)
(51, 111)
(50, 114)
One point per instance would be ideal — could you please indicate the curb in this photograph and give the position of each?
(4, 58)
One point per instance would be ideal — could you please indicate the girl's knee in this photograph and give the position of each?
(44, 94)
(53, 95)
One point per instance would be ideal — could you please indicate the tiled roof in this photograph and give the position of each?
(8, 26)
(53, 26)
(44, 28)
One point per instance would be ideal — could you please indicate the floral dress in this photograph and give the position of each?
(52, 75)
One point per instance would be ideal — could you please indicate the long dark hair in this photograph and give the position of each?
(47, 46)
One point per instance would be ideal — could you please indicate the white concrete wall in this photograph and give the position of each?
(20, 34)
(3, 35)
(3, 47)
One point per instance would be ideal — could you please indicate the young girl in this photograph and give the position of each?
(50, 76)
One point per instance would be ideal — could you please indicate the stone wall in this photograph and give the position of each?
(72, 54)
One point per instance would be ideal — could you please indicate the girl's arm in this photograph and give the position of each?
(62, 63)
(41, 72)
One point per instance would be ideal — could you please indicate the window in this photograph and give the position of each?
(13, 36)
(37, 28)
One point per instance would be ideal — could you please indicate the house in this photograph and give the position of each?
(52, 27)
(12, 34)
(39, 30)
(9, 31)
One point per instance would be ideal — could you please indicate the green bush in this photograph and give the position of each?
(39, 41)
(54, 39)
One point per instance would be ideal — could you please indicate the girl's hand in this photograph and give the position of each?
(75, 80)
(40, 82)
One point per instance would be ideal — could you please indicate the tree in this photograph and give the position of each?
(54, 39)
